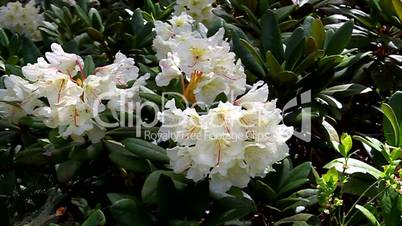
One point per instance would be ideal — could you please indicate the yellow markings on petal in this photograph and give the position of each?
(220, 145)
(180, 22)
(198, 53)
(194, 128)
(192, 85)
(60, 89)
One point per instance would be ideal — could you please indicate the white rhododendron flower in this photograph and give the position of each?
(230, 143)
(57, 91)
(200, 10)
(23, 19)
(205, 65)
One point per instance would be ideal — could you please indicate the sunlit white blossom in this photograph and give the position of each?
(231, 143)
(24, 19)
(57, 91)
(200, 10)
(206, 65)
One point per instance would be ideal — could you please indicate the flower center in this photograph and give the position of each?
(198, 53)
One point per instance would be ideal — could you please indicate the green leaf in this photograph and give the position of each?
(398, 8)
(41, 156)
(230, 208)
(30, 52)
(128, 212)
(96, 19)
(252, 51)
(292, 185)
(395, 103)
(97, 218)
(154, 98)
(146, 149)
(114, 197)
(300, 171)
(309, 61)
(299, 219)
(246, 56)
(284, 12)
(149, 189)
(358, 184)
(271, 36)
(275, 69)
(58, 13)
(89, 65)
(288, 25)
(66, 170)
(368, 215)
(129, 162)
(332, 134)
(372, 142)
(346, 144)
(340, 39)
(195, 205)
(32, 122)
(346, 90)
(330, 101)
(265, 191)
(393, 121)
(285, 169)
(287, 78)
(391, 202)
(149, 6)
(330, 179)
(167, 194)
(294, 48)
(3, 38)
(89, 153)
(82, 14)
(95, 34)
(317, 32)
(251, 16)
(353, 166)
(146, 36)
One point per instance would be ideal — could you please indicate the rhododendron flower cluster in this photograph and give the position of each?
(200, 10)
(57, 91)
(230, 143)
(204, 64)
(23, 19)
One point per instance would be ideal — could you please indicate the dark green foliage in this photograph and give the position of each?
(346, 55)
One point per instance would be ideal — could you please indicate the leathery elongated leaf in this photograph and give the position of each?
(271, 37)
(340, 39)
(146, 149)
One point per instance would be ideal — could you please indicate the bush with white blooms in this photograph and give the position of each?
(72, 98)
(230, 143)
(200, 112)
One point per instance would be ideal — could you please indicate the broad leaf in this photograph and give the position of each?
(146, 149)
(353, 166)
(300, 219)
(271, 37)
(97, 218)
(393, 119)
(340, 39)
(368, 215)
(127, 212)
